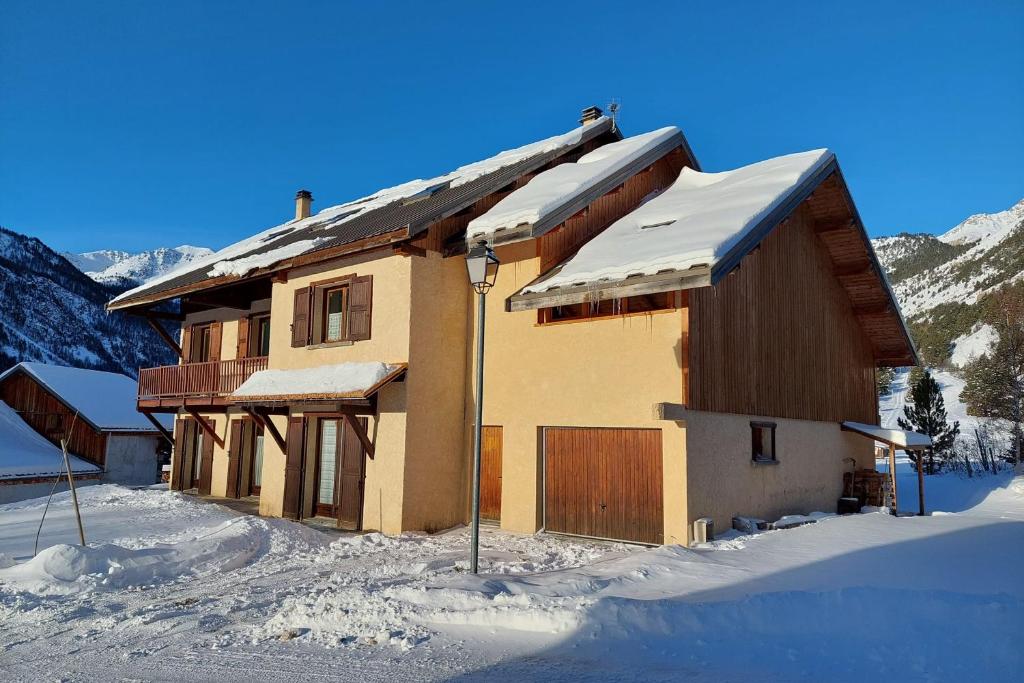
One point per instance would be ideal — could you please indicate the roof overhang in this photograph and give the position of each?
(560, 214)
(669, 281)
(899, 438)
(355, 397)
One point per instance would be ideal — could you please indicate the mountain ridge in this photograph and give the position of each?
(130, 269)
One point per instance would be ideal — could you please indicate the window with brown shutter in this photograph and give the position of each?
(335, 311)
(259, 335)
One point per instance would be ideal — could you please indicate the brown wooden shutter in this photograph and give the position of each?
(243, 337)
(180, 434)
(235, 460)
(360, 303)
(293, 468)
(186, 343)
(206, 466)
(350, 478)
(215, 337)
(300, 318)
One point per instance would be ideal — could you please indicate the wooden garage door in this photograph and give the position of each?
(604, 483)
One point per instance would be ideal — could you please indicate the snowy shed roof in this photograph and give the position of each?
(344, 380)
(551, 197)
(105, 400)
(896, 437)
(24, 453)
(695, 223)
(409, 208)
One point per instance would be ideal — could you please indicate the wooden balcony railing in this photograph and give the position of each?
(214, 378)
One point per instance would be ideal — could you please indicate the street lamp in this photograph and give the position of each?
(482, 265)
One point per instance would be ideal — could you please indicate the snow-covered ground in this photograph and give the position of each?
(172, 588)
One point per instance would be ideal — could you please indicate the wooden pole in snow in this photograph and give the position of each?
(892, 479)
(920, 483)
(71, 479)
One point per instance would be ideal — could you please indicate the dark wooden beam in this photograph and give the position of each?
(207, 427)
(163, 430)
(851, 269)
(406, 249)
(833, 226)
(159, 315)
(162, 333)
(268, 426)
(355, 425)
(872, 309)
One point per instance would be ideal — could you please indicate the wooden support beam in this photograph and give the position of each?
(851, 269)
(162, 333)
(156, 423)
(356, 427)
(670, 411)
(872, 309)
(207, 427)
(892, 479)
(268, 426)
(833, 226)
(406, 249)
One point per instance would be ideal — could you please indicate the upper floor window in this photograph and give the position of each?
(260, 333)
(643, 303)
(335, 313)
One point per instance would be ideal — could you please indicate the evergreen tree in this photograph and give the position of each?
(995, 381)
(925, 412)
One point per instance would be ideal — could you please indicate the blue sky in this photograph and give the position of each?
(140, 124)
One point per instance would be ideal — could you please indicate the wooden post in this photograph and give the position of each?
(892, 478)
(920, 482)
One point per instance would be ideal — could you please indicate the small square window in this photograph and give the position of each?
(762, 442)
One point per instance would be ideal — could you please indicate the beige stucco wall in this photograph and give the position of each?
(435, 453)
(599, 373)
(723, 482)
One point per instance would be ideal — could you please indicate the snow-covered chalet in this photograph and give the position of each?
(663, 344)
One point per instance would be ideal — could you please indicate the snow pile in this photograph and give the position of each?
(326, 380)
(977, 343)
(552, 189)
(80, 389)
(237, 259)
(65, 569)
(694, 222)
(24, 453)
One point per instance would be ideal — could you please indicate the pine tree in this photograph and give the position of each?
(995, 381)
(925, 412)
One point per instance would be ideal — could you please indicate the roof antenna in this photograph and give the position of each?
(613, 108)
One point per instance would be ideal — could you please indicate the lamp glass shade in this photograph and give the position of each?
(482, 266)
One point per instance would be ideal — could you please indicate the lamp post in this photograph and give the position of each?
(482, 265)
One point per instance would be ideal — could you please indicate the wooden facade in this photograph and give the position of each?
(49, 416)
(567, 238)
(778, 336)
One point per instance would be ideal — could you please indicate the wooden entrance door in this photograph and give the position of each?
(339, 472)
(205, 456)
(490, 473)
(604, 483)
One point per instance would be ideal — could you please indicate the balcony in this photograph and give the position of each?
(195, 383)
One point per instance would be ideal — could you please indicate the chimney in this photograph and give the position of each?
(303, 204)
(591, 114)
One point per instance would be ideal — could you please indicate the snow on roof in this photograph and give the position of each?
(342, 380)
(249, 254)
(695, 222)
(106, 400)
(551, 189)
(25, 453)
(898, 437)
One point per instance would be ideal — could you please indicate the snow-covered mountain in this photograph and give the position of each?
(939, 280)
(54, 313)
(124, 270)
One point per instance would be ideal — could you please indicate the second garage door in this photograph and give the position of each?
(604, 483)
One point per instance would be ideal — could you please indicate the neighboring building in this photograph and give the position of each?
(96, 412)
(662, 345)
(29, 464)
